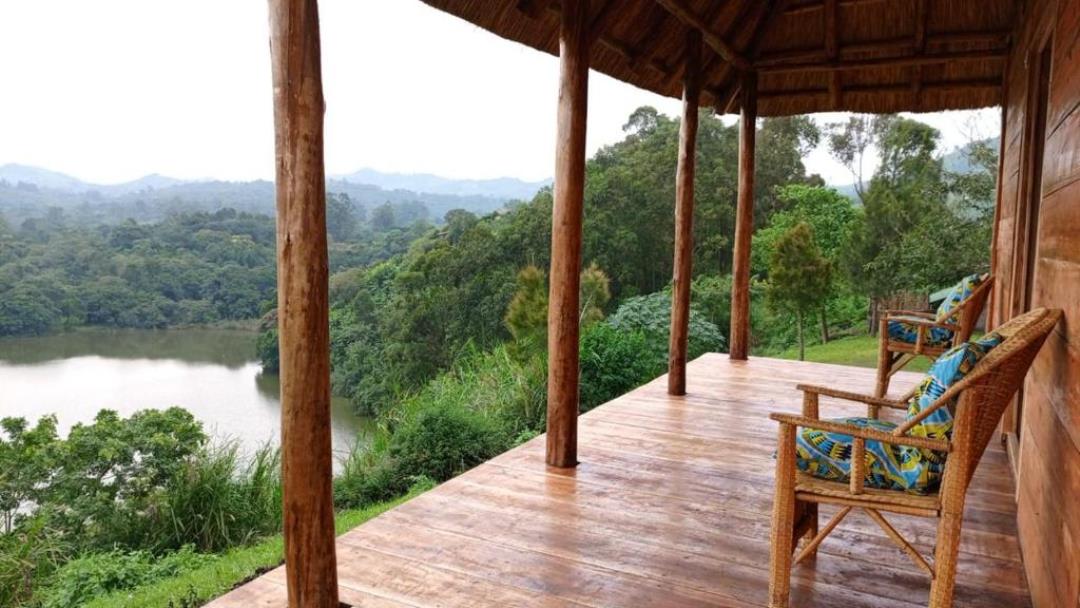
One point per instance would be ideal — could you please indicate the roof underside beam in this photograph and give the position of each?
(681, 11)
(882, 62)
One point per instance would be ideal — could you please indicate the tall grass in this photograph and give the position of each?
(219, 501)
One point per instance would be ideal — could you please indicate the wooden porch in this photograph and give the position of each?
(669, 506)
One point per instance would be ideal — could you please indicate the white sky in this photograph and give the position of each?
(111, 90)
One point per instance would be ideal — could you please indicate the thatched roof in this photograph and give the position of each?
(811, 55)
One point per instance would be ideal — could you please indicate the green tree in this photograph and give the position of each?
(832, 219)
(851, 140)
(341, 216)
(595, 293)
(905, 218)
(382, 217)
(526, 316)
(799, 277)
(27, 459)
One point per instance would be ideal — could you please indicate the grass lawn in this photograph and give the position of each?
(223, 573)
(860, 351)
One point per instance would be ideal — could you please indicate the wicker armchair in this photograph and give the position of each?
(894, 354)
(980, 399)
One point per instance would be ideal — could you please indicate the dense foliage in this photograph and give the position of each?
(440, 331)
(149, 482)
(191, 268)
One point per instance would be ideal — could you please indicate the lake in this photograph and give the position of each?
(213, 373)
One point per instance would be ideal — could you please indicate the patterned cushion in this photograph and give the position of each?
(891, 467)
(960, 292)
(908, 331)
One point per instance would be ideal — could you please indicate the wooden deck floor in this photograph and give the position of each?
(670, 506)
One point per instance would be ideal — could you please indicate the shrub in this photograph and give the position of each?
(95, 575)
(651, 315)
(614, 361)
(445, 440)
(266, 349)
(369, 475)
(27, 557)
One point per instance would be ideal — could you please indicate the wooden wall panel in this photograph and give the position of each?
(1048, 485)
(1065, 94)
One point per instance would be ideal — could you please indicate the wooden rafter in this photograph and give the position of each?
(731, 85)
(740, 14)
(710, 18)
(993, 40)
(809, 6)
(956, 86)
(883, 62)
(650, 41)
(622, 49)
(602, 20)
(921, 23)
(533, 8)
(683, 13)
(832, 47)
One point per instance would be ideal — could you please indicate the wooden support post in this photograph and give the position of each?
(565, 276)
(684, 218)
(303, 305)
(744, 222)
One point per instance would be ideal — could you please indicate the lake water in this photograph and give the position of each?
(210, 372)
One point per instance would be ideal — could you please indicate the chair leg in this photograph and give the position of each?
(783, 520)
(945, 556)
(806, 522)
(884, 367)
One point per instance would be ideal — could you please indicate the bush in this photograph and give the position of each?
(266, 349)
(27, 557)
(651, 315)
(614, 361)
(369, 475)
(445, 440)
(95, 575)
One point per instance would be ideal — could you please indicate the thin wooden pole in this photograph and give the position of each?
(303, 305)
(684, 218)
(744, 222)
(565, 275)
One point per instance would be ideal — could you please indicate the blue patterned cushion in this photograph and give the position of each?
(908, 331)
(960, 292)
(891, 467)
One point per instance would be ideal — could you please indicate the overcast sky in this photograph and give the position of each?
(111, 90)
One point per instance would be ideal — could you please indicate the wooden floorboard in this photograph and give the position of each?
(670, 506)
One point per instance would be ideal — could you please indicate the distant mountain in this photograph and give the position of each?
(958, 160)
(27, 191)
(502, 187)
(42, 178)
(54, 180)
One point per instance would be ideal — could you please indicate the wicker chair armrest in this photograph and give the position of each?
(849, 396)
(924, 314)
(924, 322)
(937, 445)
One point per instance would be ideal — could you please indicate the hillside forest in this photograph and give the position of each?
(438, 324)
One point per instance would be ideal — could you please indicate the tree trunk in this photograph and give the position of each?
(802, 337)
(824, 326)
